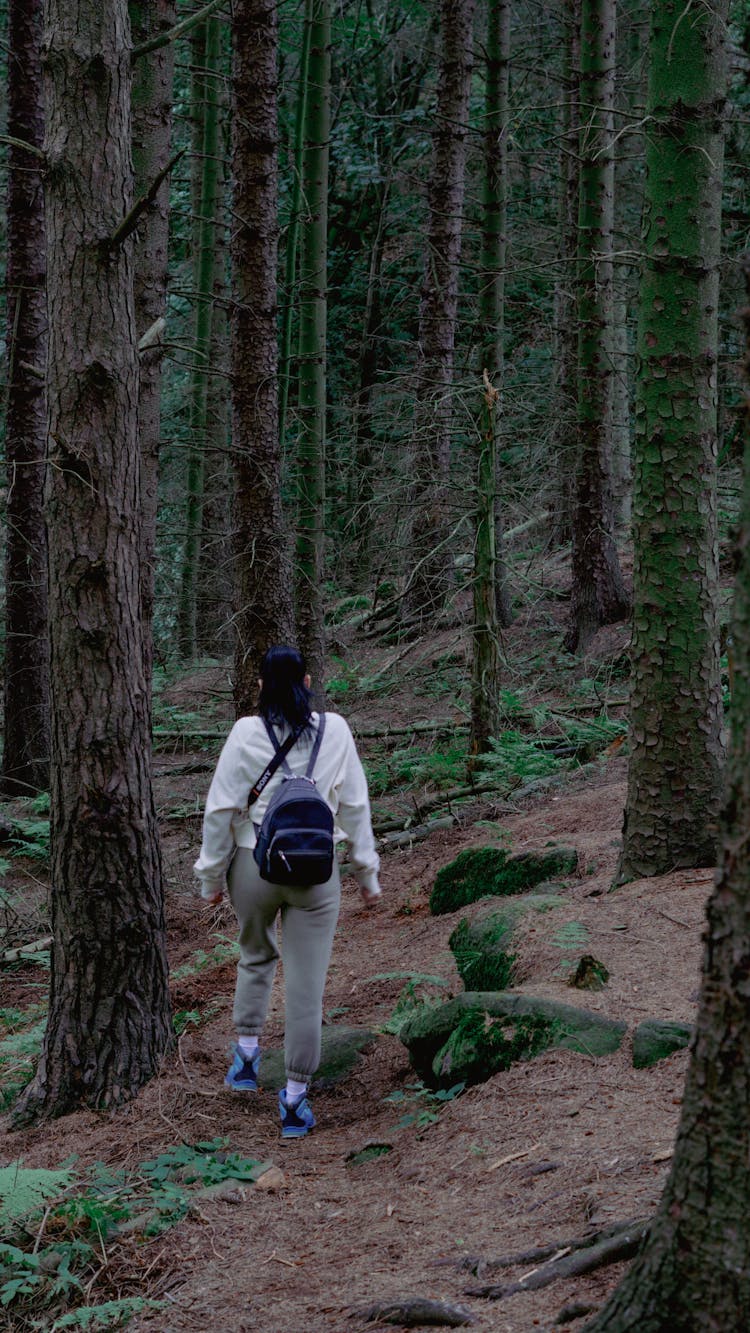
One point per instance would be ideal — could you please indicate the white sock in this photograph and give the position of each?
(248, 1046)
(294, 1091)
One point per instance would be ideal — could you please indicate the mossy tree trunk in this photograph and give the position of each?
(204, 261)
(26, 738)
(675, 771)
(313, 309)
(598, 593)
(693, 1272)
(431, 450)
(263, 582)
(153, 75)
(109, 1014)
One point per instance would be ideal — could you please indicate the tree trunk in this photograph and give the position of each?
(264, 613)
(109, 1014)
(565, 330)
(204, 269)
(693, 1272)
(674, 777)
(437, 320)
(598, 594)
(292, 237)
(488, 588)
(152, 132)
(26, 704)
(312, 347)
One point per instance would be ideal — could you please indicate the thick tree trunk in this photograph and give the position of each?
(109, 1015)
(152, 132)
(693, 1272)
(674, 776)
(313, 304)
(204, 261)
(26, 705)
(264, 612)
(437, 321)
(598, 594)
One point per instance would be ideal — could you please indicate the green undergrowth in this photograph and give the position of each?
(67, 1232)
(484, 963)
(21, 1035)
(224, 951)
(422, 1105)
(421, 991)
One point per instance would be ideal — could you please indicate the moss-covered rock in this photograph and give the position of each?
(480, 1032)
(654, 1039)
(482, 954)
(482, 872)
(340, 1052)
(482, 947)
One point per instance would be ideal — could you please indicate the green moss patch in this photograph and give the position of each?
(444, 1048)
(655, 1039)
(340, 1052)
(482, 872)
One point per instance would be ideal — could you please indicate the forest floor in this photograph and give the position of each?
(553, 1148)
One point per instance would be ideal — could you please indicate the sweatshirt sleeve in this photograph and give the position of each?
(353, 815)
(227, 796)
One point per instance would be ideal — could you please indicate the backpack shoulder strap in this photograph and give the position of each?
(279, 758)
(316, 746)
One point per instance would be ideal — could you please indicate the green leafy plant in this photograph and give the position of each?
(417, 994)
(425, 1104)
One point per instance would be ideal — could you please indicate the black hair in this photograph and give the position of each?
(284, 697)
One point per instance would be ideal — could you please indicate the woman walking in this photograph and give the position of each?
(324, 744)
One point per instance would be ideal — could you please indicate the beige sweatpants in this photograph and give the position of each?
(308, 922)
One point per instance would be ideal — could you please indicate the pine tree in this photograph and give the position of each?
(26, 737)
(675, 771)
(598, 594)
(109, 1013)
(430, 579)
(313, 305)
(264, 613)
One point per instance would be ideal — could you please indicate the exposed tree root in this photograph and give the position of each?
(569, 1259)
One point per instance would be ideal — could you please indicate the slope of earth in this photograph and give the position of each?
(547, 1151)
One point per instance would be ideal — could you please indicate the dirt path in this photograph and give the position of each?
(547, 1150)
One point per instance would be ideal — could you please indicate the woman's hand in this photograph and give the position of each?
(212, 893)
(370, 893)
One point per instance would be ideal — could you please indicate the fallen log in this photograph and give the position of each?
(572, 1260)
(414, 1313)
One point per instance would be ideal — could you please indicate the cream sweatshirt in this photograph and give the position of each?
(338, 775)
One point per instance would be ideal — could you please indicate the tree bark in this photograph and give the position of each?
(264, 613)
(153, 75)
(26, 737)
(488, 589)
(693, 1273)
(675, 770)
(437, 319)
(313, 299)
(565, 330)
(598, 594)
(109, 1014)
(204, 261)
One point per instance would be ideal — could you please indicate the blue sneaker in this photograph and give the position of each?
(243, 1072)
(296, 1119)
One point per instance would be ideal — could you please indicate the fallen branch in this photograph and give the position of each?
(414, 1313)
(26, 950)
(617, 1244)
